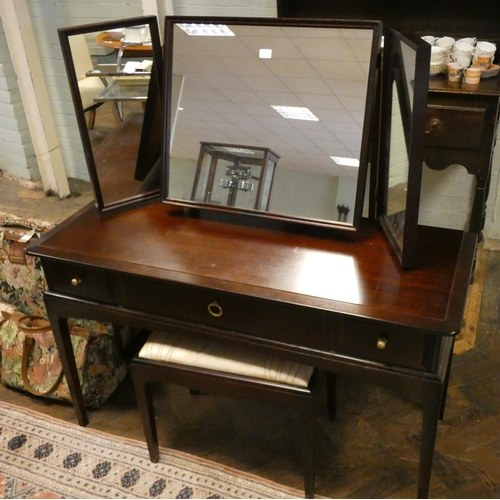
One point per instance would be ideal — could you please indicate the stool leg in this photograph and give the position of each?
(144, 396)
(331, 394)
(309, 439)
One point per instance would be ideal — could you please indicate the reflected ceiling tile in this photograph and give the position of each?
(321, 33)
(246, 66)
(258, 110)
(226, 47)
(350, 127)
(353, 103)
(282, 47)
(307, 86)
(321, 102)
(331, 50)
(348, 88)
(242, 96)
(265, 83)
(286, 98)
(226, 108)
(361, 49)
(225, 82)
(348, 70)
(284, 68)
(201, 65)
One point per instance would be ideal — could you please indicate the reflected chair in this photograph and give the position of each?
(218, 369)
(89, 86)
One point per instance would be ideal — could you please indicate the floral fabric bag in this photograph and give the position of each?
(30, 361)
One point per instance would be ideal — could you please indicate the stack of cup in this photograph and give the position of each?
(484, 54)
(472, 75)
(461, 53)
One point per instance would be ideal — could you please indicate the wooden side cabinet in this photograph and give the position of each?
(461, 128)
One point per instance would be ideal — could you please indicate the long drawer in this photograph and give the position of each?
(244, 314)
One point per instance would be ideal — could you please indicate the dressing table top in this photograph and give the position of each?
(355, 275)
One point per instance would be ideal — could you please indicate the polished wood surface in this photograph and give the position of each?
(352, 275)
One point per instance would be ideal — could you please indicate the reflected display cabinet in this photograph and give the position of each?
(225, 171)
(289, 279)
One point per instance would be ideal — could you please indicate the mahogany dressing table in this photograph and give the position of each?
(331, 294)
(341, 304)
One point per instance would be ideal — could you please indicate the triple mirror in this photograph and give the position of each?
(270, 117)
(115, 75)
(406, 81)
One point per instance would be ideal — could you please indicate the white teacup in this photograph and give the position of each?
(484, 48)
(463, 60)
(462, 49)
(431, 40)
(446, 42)
(470, 40)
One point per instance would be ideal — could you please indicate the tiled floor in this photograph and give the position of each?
(370, 451)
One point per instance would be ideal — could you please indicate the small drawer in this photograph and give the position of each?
(455, 127)
(242, 314)
(387, 344)
(79, 281)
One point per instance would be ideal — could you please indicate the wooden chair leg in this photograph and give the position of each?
(91, 118)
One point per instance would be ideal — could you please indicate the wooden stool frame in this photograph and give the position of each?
(147, 372)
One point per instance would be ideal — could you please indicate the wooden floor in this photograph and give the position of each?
(369, 452)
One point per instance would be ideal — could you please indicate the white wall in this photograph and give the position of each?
(16, 150)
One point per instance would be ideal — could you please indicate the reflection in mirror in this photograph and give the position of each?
(114, 73)
(405, 97)
(271, 116)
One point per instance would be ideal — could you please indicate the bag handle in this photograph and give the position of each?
(33, 324)
(28, 345)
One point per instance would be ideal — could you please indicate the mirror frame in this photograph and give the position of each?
(413, 110)
(369, 113)
(152, 130)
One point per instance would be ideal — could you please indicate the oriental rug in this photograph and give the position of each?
(42, 457)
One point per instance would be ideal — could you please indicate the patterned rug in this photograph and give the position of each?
(42, 457)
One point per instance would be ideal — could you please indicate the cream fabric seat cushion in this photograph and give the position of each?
(175, 348)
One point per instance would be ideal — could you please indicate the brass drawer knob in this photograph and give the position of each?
(215, 309)
(382, 343)
(76, 281)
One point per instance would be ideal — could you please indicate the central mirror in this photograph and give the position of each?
(270, 116)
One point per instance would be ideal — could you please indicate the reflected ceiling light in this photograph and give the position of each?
(194, 29)
(295, 113)
(265, 53)
(345, 162)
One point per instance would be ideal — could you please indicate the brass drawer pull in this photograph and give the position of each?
(433, 125)
(76, 281)
(215, 309)
(382, 343)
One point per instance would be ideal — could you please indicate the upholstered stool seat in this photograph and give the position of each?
(224, 370)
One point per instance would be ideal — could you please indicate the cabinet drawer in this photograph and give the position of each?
(455, 127)
(243, 314)
(388, 344)
(79, 281)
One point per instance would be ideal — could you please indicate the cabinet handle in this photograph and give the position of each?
(76, 281)
(433, 124)
(382, 343)
(215, 309)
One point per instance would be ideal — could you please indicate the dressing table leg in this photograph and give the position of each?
(431, 412)
(62, 337)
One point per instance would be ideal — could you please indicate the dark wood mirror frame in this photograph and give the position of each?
(401, 228)
(148, 157)
(369, 113)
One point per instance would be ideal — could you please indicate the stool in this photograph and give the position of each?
(224, 370)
